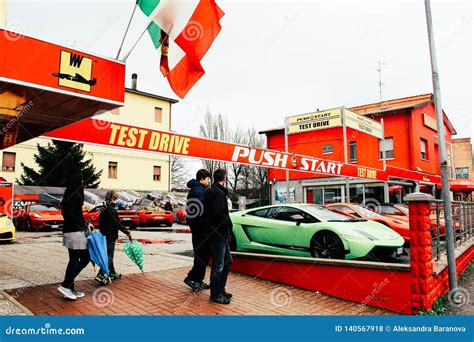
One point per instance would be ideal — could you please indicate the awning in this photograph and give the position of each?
(44, 86)
(462, 185)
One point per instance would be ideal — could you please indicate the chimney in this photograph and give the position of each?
(134, 81)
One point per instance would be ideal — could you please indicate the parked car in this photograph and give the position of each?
(128, 218)
(181, 216)
(155, 217)
(135, 195)
(7, 229)
(39, 216)
(401, 210)
(400, 225)
(311, 231)
(155, 195)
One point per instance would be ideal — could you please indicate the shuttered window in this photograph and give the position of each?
(8, 161)
(113, 170)
(157, 173)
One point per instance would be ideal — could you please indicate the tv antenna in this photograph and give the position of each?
(379, 69)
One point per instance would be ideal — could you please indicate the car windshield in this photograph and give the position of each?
(43, 207)
(402, 207)
(365, 211)
(325, 213)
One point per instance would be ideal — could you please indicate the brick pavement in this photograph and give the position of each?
(164, 293)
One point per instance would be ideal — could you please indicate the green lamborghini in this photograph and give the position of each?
(310, 230)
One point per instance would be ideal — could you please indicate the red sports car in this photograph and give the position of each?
(401, 225)
(155, 217)
(39, 216)
(181, 216)
(128, 218)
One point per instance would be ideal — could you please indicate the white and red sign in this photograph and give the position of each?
(105, 133)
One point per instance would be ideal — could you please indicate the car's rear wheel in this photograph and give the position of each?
(327, 245)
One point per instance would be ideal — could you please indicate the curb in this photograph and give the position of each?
(16, 303)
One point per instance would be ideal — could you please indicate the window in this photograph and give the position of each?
(113, 170)
(115, 111)
(157, 173)
(158, 114)
(389, 154)
(327, 149)
(462, 173)
(259, 213)
(353, 151)
(290, 214)
(8, 161)
(424, 149)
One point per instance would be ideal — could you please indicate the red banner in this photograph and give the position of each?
(6, 198)
(100, 132)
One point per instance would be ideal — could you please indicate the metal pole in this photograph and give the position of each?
(453, 282)
(126, 30)
(287, 172)
(346, 157)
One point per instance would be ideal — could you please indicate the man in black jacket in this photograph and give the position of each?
(219, 227)
(109, 225)
(195, 219)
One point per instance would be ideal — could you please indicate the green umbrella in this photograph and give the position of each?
(134, 250)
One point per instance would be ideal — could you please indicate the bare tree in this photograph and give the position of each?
(238, 136)
(179, 171)
(216, 128)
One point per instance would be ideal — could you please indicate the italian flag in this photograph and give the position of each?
(183, 30)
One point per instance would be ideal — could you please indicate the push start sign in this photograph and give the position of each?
(105, 133)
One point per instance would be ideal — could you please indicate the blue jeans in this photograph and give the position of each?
(221, 262)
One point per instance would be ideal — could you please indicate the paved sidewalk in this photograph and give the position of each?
(39, 258)
(467, 286)
(164, 293)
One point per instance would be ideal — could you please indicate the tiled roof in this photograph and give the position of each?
(390, 105)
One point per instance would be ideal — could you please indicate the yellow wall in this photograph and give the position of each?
(3, 13)
(135, 169)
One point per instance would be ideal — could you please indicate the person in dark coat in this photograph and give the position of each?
(168, 206)
(219, 226)
(195, 219)
(109, 226)
(75, 229)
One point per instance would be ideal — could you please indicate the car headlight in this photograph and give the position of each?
(8, 223)
(367, 235)
(35, 215)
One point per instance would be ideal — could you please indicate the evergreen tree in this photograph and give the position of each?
(55, 161)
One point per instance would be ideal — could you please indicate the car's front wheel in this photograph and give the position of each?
(327, 245)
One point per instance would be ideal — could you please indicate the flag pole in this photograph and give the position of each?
(126, 31)
(133, 47)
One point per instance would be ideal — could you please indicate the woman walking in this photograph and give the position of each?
(74, 234)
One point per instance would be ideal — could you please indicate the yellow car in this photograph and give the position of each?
(7, 229)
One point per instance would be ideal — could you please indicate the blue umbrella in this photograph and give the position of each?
(97, 246)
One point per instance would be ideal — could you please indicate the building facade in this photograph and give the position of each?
(121, 168)
(411, 143)
(462, 152)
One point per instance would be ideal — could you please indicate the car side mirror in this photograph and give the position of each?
(298, 219)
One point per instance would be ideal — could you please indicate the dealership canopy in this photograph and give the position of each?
(45, 86)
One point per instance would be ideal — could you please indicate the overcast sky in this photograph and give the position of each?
(277, 58)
